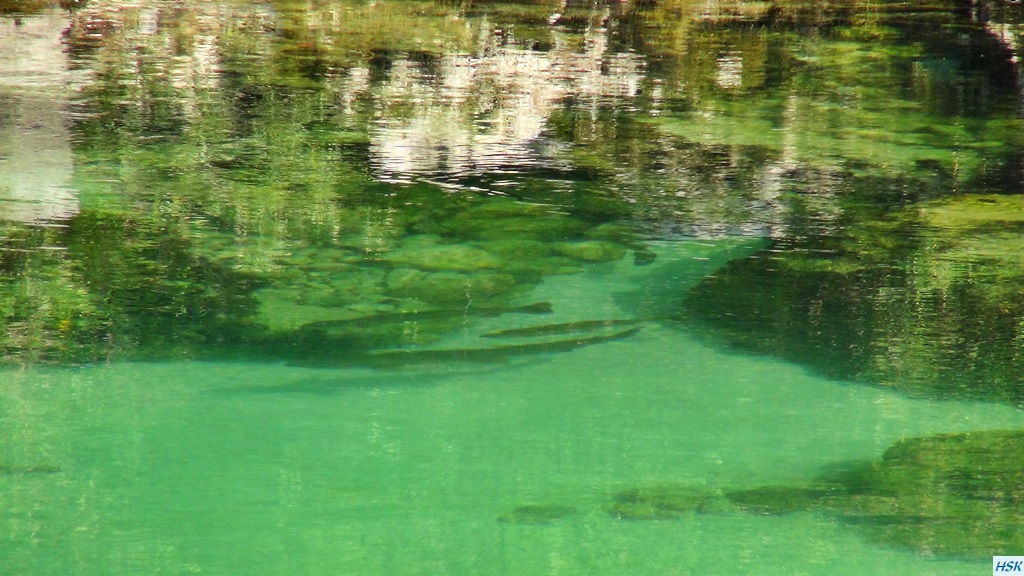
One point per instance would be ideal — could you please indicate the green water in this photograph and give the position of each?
(233, 468)
(430, 287)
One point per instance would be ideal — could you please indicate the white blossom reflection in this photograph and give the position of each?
(470, 114)
(35, 151)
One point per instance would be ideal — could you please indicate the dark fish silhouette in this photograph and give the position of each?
(407, 358)
(20, 470)
(563, 328)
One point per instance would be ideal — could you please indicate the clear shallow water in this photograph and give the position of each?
(802, 227)
(235, 468)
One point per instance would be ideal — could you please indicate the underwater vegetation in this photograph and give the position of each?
(272, 193)
(151, 288)
(666, 502)
(947, 495)
(932, 311)
(952, 495)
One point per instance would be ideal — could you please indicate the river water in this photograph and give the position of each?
(423, 288)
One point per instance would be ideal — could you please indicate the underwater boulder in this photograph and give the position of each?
(532, 271)
(519, 249)
(592, 250)
(443, 257)
(447, 287)
(613, 232)
(503, 220)
(400, 279)
(549, 228)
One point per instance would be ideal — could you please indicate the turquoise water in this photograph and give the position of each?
(423, 287)
(239, 468)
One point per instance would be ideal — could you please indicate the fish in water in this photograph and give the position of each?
(563, 328)
(406, 358)
(8, 470)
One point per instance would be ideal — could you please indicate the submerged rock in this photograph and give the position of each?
(532, 271)
(505, 219)
(443, 257)
(613, 232)
(592, 250)
(519, 249)
(447, 287)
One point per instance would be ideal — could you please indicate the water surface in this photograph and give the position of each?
(423, 288)
(234, 467)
